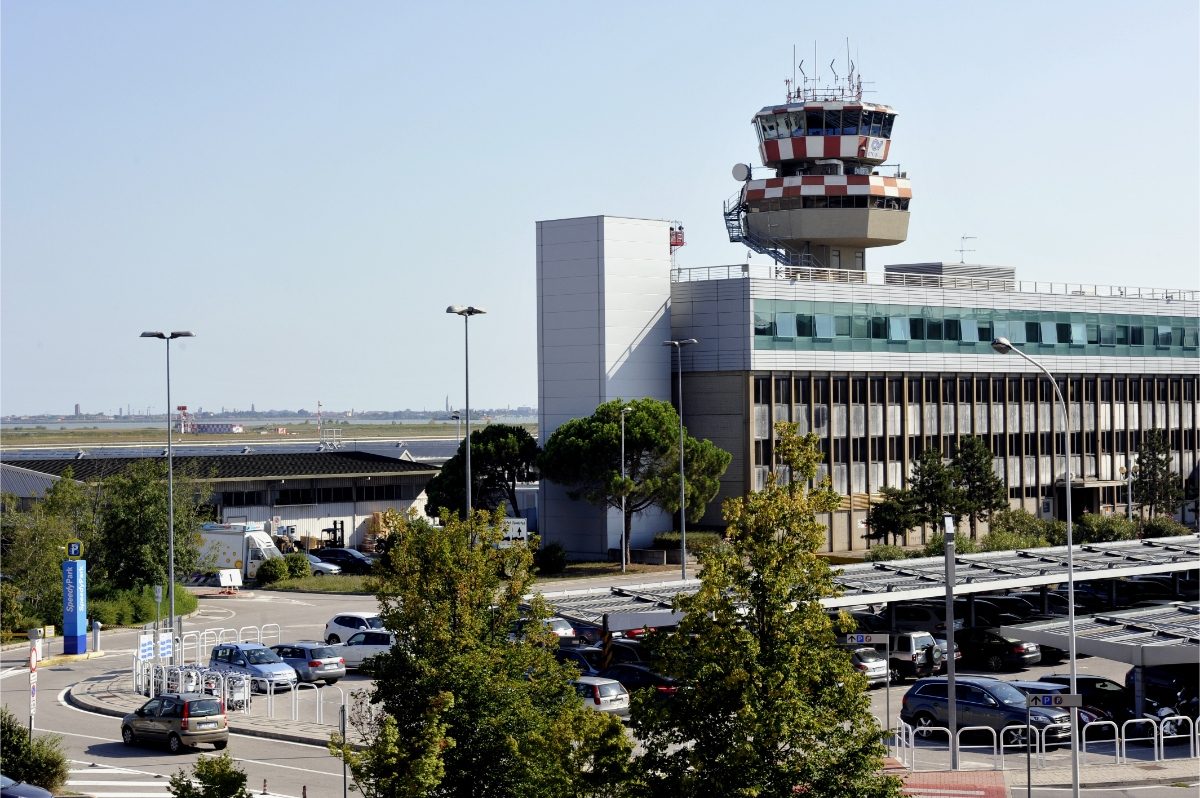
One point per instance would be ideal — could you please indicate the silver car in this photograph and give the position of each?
(603, 695)
(312, 661)
(320, 567)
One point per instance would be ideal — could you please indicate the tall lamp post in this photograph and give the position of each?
(624, 412)
(1130, 474)
(169, 337)
(678, 347)
(1004, 346)
(467, 312)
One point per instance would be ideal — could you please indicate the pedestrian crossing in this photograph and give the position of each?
(105, 781)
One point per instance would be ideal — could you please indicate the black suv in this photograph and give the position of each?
(350, 560)
(981, 701)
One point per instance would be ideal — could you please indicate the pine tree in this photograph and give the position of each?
(768, 702)
(978, 491)
(931, 486)
(1156, 485)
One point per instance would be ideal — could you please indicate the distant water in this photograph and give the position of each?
(296, 424)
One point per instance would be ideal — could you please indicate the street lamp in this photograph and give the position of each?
(1004, 346)
(678, 346)
(169, 337)
(457, 425)
(467, 312)
(1130, 474)
(624, 412)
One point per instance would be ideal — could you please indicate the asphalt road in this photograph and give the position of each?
(104, 767)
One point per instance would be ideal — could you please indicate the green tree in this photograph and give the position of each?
(978, 491)
(38, 761)
(1156, 485)
(457, 709)
(931, 485)
(1093, 528)
(894, 515)
(131, 549)
(769, 703)
(211, 777)
(584, 454)
(502, 455)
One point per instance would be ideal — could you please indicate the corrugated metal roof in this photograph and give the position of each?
(23, 482)
(243, 466)
(1163, 635)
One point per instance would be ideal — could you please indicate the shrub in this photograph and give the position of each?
(298, 566)
(1007, 540)
(1092, 528)
(550, 559)
(936, 547)
(885, 551)
(270, 571)
(696, 541)
(131, 607)
(1162, 526)
(211, 777)
(40, 761)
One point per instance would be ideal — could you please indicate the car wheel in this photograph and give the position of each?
(220, 744)
(995, 663)
(1013, 737)
(127, 735)
(897, 677)
(174, 744)
(923, 722)
(316, 573)
(332, 640)
(331, 681)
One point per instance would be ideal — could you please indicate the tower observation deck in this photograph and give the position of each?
(828, 201)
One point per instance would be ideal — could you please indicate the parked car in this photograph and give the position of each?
(178, 719)
(1105, 694)
(1056, 604)
(943, 644)
(363, 645)
(561, 627)
(351, 561)
(320, 567)
(980, 701)
(620, 650)
(312, 661)
(1014, 605)
(913, 655)
(603, 695)
(635, 676)
(262, 666)
(918, 617)
(10, 788)
(871, 664)
(340, 627)
(1086, 714)
(987, 648)
(586, 659)
(1169, 685)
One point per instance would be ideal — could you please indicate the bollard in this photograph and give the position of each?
(304, 791)
(96, 627)
(264, 792)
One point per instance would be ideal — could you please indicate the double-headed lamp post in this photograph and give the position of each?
(169, 337)
(1130, 474)
(624, 412)
(678, 347)
(467, 312)
(1004, 346)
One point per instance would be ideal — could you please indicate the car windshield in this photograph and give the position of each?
(358, 555)
(375, 622)
(609, 689)
(324, 652)
(868, 654)
(261, 656)
(1007, 694)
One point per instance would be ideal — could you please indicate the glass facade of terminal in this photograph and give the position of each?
(781, 324)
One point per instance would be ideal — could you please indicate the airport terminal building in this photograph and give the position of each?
(880, 365)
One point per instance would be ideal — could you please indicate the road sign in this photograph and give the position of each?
(866, 640)
(1055, 700)
(33, 660)
(74, 549)
(32, 694)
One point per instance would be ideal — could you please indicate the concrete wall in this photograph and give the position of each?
(603, 286)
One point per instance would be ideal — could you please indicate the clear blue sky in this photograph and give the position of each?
(307, 186)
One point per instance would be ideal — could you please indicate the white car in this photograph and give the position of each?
(340, 627)
(320, 567)
(603, 695)
(363, 645)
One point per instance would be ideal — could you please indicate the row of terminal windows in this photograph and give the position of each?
(804, 321)
(294, 496)
(821, 122)
(855, 201)
(949, 390)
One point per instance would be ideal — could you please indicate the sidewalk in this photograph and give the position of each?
(112, 694)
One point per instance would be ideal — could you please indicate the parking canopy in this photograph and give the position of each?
(1163, 635)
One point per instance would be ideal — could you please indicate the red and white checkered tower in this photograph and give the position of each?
(828, 201)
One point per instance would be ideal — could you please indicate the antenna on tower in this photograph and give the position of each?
(962, 243)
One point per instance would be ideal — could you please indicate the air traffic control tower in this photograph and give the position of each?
(828, 201)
